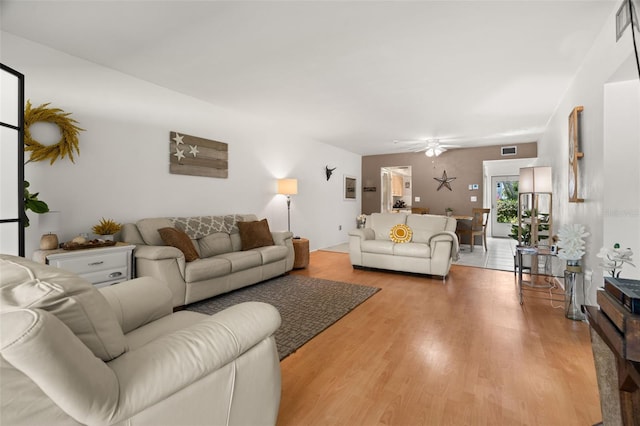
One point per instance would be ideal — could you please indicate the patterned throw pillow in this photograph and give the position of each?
(400, 233)
(178, 239)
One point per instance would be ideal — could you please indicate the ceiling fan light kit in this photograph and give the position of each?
(431, 147)
(434, 151)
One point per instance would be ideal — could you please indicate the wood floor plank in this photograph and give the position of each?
(420, 352)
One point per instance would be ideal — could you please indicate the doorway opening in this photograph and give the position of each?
(396, 189)
(505, 204)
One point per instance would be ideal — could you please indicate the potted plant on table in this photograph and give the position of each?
(106, 228)
(614, 259)
(571, 247)
(525, 230)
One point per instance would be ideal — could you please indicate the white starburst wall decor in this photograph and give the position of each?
(191, 155)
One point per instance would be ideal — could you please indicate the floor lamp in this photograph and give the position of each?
(288, 187)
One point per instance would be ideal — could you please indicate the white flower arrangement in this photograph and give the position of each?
(570, 240)
(615, 258)
(361, 217)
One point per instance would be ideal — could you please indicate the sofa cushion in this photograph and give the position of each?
(425, 226)
(255, 234)
(382, 223)
(241, 260)
(176, 238)
(77, 303)
(272, 254)
(148, 229)
(214, 244)
(204, 269)
(412, 250)
(377, 246)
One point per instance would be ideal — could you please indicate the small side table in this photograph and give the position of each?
(301, 253)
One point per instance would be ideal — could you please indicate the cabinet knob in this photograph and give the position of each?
(115, 274)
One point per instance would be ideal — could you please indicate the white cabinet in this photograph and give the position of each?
(397, 186)
(101, 266)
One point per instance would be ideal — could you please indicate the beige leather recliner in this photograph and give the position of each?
(71, 354)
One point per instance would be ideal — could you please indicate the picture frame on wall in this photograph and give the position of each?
(350, 183)
(574, 154)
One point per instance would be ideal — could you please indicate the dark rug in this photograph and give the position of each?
(307, 305)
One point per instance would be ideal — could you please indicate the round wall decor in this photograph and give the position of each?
(67, 143)
(400, 233)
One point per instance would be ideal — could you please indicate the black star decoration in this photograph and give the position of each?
(445, 181)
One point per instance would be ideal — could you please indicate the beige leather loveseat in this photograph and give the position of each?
(224, 263)
(72, 354)
(430, 247)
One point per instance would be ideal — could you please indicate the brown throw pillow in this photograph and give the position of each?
(178, 239)
(255, 234)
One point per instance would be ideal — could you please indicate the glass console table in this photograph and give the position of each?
(543, 268)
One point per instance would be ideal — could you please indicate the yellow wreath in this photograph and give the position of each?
(67, 143)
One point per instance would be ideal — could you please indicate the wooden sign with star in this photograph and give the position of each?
(191, 155)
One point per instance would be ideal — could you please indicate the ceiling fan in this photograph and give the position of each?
(431, 147)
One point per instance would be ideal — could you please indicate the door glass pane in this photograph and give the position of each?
(8, 173)
(9, 238)
(9, 106)
(507, 201)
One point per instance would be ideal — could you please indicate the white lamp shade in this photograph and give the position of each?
(288, 186)
(535, 179)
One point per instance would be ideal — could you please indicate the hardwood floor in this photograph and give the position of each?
(421, 352)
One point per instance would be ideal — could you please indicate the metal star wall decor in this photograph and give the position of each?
(445, 181)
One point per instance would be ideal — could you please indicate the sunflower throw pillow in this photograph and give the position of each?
(400, 233)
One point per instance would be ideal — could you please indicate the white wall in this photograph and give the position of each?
(122, 171)
(587, 89)
(622, 152)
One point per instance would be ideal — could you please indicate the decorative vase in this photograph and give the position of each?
(49, 242)
(574, 265)
(574, 292)
(106, 237)
(361, 223)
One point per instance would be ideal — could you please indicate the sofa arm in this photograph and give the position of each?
(447, 236)
(158, 252)
(39, 345)
(139, 301)
(169, 364)
(280, 238)
(363, 233)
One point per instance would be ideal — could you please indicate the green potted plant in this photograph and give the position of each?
(448, 211)
(525, 230)
(32, 203)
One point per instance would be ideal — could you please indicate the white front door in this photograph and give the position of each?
(504, 204)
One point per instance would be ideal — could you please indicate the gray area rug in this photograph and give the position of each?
(307, 305)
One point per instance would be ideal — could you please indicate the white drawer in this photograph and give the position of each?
(93, 262)
(114, 275)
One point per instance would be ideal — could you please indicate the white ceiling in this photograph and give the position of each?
(354, 74)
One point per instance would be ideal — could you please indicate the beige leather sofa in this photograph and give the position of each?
(71, 354)
(223, 265)
(431, 249)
